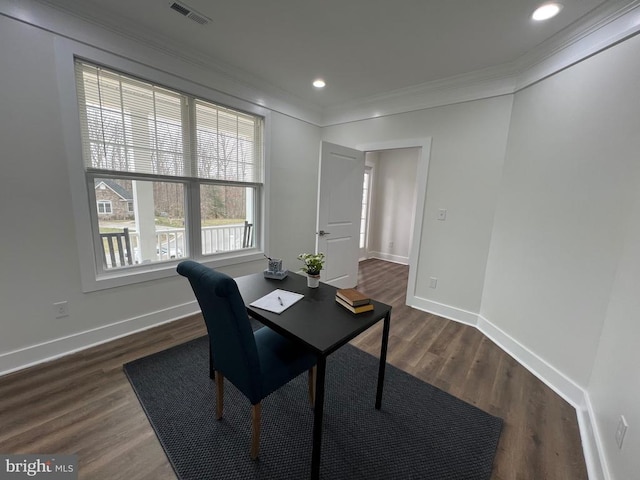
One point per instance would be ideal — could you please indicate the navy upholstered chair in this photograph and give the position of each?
(257, 363)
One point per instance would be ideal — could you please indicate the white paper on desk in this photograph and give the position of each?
(272, 301)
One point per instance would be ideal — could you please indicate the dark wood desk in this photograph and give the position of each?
(320, 324)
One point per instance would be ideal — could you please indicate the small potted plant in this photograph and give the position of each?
(313, 263)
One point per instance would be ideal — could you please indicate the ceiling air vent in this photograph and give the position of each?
(190, 13)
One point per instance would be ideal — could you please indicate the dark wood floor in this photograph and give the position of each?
(83, 403)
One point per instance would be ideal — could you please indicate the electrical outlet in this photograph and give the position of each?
(621, 431)
(442, 214)
(61, 309)
(433, 282)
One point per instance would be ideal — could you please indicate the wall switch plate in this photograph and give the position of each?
(621, 431)
(433, 282)
(442, 214)
(61, 309)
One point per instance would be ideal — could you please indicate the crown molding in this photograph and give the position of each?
(73, 21)
(612, 22)
(491, 82)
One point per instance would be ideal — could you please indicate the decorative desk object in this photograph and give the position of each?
(275, 269)
(313, 263)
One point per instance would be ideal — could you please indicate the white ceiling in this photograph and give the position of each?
(362, 48)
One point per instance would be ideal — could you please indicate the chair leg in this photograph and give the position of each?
(312, 386)
(219, 394)
(255, 430)
(212, 368)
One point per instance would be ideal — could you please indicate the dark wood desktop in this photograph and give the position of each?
(320, 324)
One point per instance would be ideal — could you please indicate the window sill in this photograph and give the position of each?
(146, 273)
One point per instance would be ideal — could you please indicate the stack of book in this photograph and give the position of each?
(353, 300)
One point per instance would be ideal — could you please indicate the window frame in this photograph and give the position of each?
(93, 278)
(106, 203)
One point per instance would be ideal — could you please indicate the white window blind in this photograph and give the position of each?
(131, 126)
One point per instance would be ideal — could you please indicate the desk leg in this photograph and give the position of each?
(383, 359)
(317, 418)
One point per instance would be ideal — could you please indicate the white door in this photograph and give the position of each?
(339, 209)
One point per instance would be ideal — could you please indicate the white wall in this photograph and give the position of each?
(614, 386)
(393, 204)
(295, 152)
(465, 167)
(38, 248)
(570, 179)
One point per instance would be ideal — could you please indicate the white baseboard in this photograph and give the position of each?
(389, 257)
(442, 310)
(553, 378)
(575, 395)
(592, 445)
(60, 347)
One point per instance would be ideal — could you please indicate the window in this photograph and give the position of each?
(104, 207)
(183, 176)
(364, 212)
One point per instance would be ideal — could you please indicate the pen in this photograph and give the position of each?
(280, 300)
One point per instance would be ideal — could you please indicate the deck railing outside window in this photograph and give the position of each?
(170, 242)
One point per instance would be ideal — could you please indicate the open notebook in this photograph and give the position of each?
(277, 301)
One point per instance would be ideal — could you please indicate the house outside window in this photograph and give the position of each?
(113, 198)
(182, 176)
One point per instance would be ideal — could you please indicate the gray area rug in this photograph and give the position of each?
(420, 433)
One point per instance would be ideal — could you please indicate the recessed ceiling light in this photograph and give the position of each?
(546, 11)
(319, 83)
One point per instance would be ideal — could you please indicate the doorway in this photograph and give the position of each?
(421, 147)
(389, 204)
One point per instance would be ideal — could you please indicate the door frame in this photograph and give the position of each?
(421, 195)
